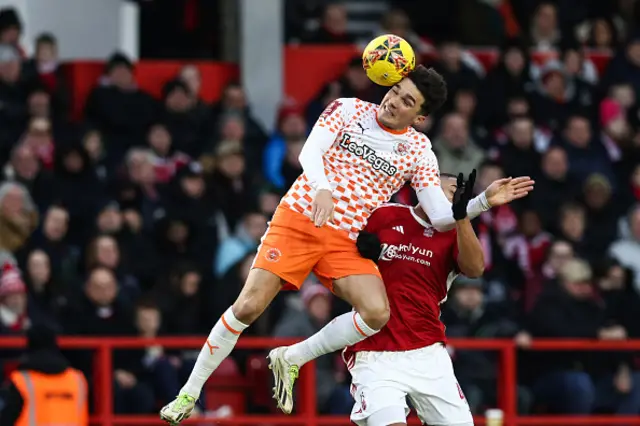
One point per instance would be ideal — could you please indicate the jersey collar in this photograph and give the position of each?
(389, 130)
(418, 219)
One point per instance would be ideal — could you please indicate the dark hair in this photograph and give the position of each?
(489, 163)
(147, 302)
(576, 116)
(448, 175)
(432, 87)
(46, 38)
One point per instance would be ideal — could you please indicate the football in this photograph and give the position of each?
(387, 59)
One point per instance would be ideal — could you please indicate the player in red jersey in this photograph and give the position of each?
(408, 357)
(418, 264)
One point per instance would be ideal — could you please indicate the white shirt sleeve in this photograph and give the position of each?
(432, 199)
(318, 142)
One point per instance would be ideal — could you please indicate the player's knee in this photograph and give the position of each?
(247, 309)
(259, 290)
(375, 315)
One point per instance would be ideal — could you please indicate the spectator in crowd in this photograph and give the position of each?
(186, 120)
(456, 73)
(627, 250)
(234, 101)
(191, 76)
(509, 78)
(44, 69)
(601, 214)
(555, 186)
(167, 159)
(78, 189)
(119, 109)
(566, 311)
(154, 365)
(519, 156)
(602, 34)
(624, 66)
(13, 93)
(18, 219)
(586, 154)
(46, 293)
(184, 300)
(23, 167)
(454, 146)
(45, 368)
(231, 182)
(52, 239)
(101, 310)
(333, 27)
(14, 315)
(245, 240)
(292, 130)
(560, 252)
(545, 33)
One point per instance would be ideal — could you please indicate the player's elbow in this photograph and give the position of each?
(442, 224)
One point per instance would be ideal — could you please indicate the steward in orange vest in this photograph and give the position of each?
(45, 390)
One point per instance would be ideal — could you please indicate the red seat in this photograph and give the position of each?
(259, 379)
(227, 386)
(9, 367)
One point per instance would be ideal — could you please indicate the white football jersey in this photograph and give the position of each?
(366, 164)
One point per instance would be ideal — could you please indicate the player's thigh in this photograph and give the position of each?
(378, 398)
(352, 277)
(259, 290)
(435, 392)
(389, 416)
(366, 293)
(290, 247)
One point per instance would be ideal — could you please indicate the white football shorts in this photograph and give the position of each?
(382, 382)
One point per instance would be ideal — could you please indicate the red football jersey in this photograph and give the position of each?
(417, 265)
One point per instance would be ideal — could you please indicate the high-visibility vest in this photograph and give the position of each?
(52, 399)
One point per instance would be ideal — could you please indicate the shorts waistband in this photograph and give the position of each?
(364, 355)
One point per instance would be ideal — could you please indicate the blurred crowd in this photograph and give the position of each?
(143, 218)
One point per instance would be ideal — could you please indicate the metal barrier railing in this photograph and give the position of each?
(307, 413)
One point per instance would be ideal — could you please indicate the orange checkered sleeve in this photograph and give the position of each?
(426, 173)
(333, 117)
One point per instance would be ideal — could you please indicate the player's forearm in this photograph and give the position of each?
(318, 143)
(470, 254)
(438, 208)
(478, 205)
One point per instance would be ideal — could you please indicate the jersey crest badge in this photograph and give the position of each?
(400, 148)
(273, 255)
(428, 232)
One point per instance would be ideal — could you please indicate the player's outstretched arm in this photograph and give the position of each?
(470, 254)
(434, 202)
(318, 143)
(426, 182)
(320, 140)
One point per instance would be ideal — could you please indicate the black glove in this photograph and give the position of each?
(463, 194)
(369, 245)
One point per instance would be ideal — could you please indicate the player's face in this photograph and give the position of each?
(449, 186)
(400, 107)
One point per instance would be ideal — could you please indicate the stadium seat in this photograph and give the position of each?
(227, 386)
(260, 378)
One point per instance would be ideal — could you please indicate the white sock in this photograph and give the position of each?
(222, 339)
(345, 330)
